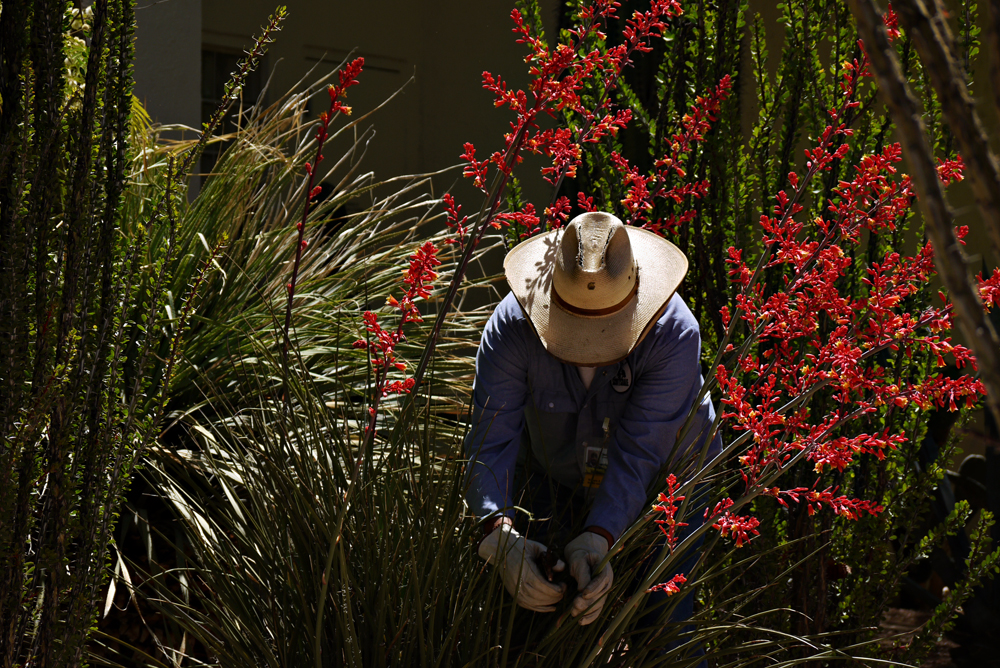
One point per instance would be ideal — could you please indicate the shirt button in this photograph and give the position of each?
(551, 405)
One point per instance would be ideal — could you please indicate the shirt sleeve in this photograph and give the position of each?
(666, 386)
(498, 399)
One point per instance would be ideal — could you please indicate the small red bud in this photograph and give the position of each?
(309, 168)
(315, 191)
(304, 243)
(298, 226)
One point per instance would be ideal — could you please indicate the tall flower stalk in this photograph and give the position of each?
(381, 343)
(347, 78)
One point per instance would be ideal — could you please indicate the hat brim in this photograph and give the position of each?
(601, 340)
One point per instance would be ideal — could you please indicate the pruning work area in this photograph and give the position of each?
(702, 404)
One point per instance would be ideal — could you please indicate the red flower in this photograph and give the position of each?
(667, 504)
(738, 527)
(458, 226)
(950, 171)
(558, 75)
(671, 587)
(891, 22)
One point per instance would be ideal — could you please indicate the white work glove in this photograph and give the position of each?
(515, 556)
(584, 553)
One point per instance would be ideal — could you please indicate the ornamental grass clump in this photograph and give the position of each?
(244, 415)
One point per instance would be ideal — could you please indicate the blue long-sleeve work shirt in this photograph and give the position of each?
(612, 438)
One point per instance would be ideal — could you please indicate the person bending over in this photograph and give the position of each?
(585, 374)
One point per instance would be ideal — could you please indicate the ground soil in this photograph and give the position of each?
(959, 648)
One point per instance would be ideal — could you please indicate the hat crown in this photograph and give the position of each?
(595, 269)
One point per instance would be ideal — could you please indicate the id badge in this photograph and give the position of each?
(596, 460)
(597, 464)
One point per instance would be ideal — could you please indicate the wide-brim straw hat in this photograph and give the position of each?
(593, 289)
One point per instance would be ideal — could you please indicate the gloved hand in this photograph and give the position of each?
(515, 556)
(584, 553)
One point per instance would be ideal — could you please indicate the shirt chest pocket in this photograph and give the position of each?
(551, 421)
(554, 402)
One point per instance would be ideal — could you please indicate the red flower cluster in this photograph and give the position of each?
(661, 184)
(457, 225)
(381, 343)
(348, 77)
(989, 289)
(812, 338)
(525, 220)
(950, 171)
(738, 527)
(559, 75)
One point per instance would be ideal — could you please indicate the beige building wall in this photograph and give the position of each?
(168, 60)
(433, 53)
